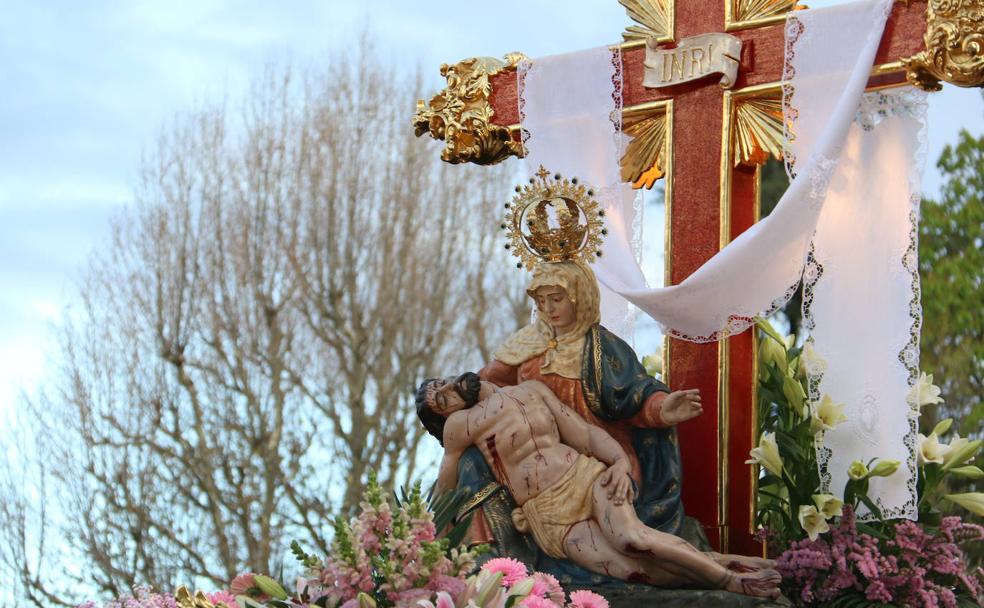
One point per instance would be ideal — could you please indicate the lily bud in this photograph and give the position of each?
(857, 470)
(969, 472)
(972, 501)
(884, 468)
(942, 427)
(522, 588)
(365, 600)
(271, 587)
(772, 352)
(793, 391)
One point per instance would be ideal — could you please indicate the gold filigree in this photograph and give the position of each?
(742, 14)
(954, 46)
(644, 160)
(461, 114)
(655, 19)
(553, 220)
(185, 599)
(758, 131)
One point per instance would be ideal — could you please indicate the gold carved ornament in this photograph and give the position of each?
(644, 160)
(185, 599)
(954, 46)
(756, 10)
(655, 19)
(758, 130)
(553, 219)
(461, 114)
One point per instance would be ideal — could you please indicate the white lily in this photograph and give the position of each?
(960, 451)
(931, 450)
(923, 392)
(829, 505)
(857, 470)
(767, 454)
(810, 362)
(827, 415)
(812, 521)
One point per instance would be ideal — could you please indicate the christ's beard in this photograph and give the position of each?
(468, 385)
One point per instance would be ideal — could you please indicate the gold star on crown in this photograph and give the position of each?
(553, 220)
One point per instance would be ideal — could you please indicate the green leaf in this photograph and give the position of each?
(863, 496)
(457, 534)
(871, 530)
(767, 329)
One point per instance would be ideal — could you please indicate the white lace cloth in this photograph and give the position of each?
(857, 189)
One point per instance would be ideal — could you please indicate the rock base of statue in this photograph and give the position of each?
(634, 596)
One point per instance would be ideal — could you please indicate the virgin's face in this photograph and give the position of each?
(556, 307)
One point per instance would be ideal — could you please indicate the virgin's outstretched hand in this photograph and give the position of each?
(680, 406)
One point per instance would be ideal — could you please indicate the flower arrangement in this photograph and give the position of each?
(911, 566)
(825, 561)
(389, 556)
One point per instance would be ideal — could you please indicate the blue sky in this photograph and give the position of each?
(85, 87)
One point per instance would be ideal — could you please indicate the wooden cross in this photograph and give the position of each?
(708, 144)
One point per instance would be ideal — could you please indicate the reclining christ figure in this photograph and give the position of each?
(572, 482)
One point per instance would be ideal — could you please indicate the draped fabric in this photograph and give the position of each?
(847, 173)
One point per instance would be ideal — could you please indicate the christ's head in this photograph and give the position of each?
(436, 399)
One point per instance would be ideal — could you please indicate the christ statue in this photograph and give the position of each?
(573, 486)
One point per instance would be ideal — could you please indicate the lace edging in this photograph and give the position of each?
(874, 108)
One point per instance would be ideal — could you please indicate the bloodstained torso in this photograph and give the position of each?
(518, 436)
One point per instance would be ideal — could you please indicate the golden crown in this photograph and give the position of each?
(553, 220)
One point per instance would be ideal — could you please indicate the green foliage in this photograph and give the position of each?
(774, 183)
(951, 267)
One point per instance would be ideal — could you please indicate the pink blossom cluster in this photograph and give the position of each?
(545, 592)
(143, 597)
(914, 566)
(394, 557)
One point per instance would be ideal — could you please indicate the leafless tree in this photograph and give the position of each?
(246, 349)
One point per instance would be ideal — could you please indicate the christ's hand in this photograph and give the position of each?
(681, 406)
(618, 482)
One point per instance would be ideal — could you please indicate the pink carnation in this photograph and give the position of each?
(546, 586)
(512, 570)
(534, 601)
(587, 599)
(223, 597)
(242, 583)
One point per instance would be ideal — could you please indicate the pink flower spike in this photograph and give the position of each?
(512, 570)
(587, 599)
